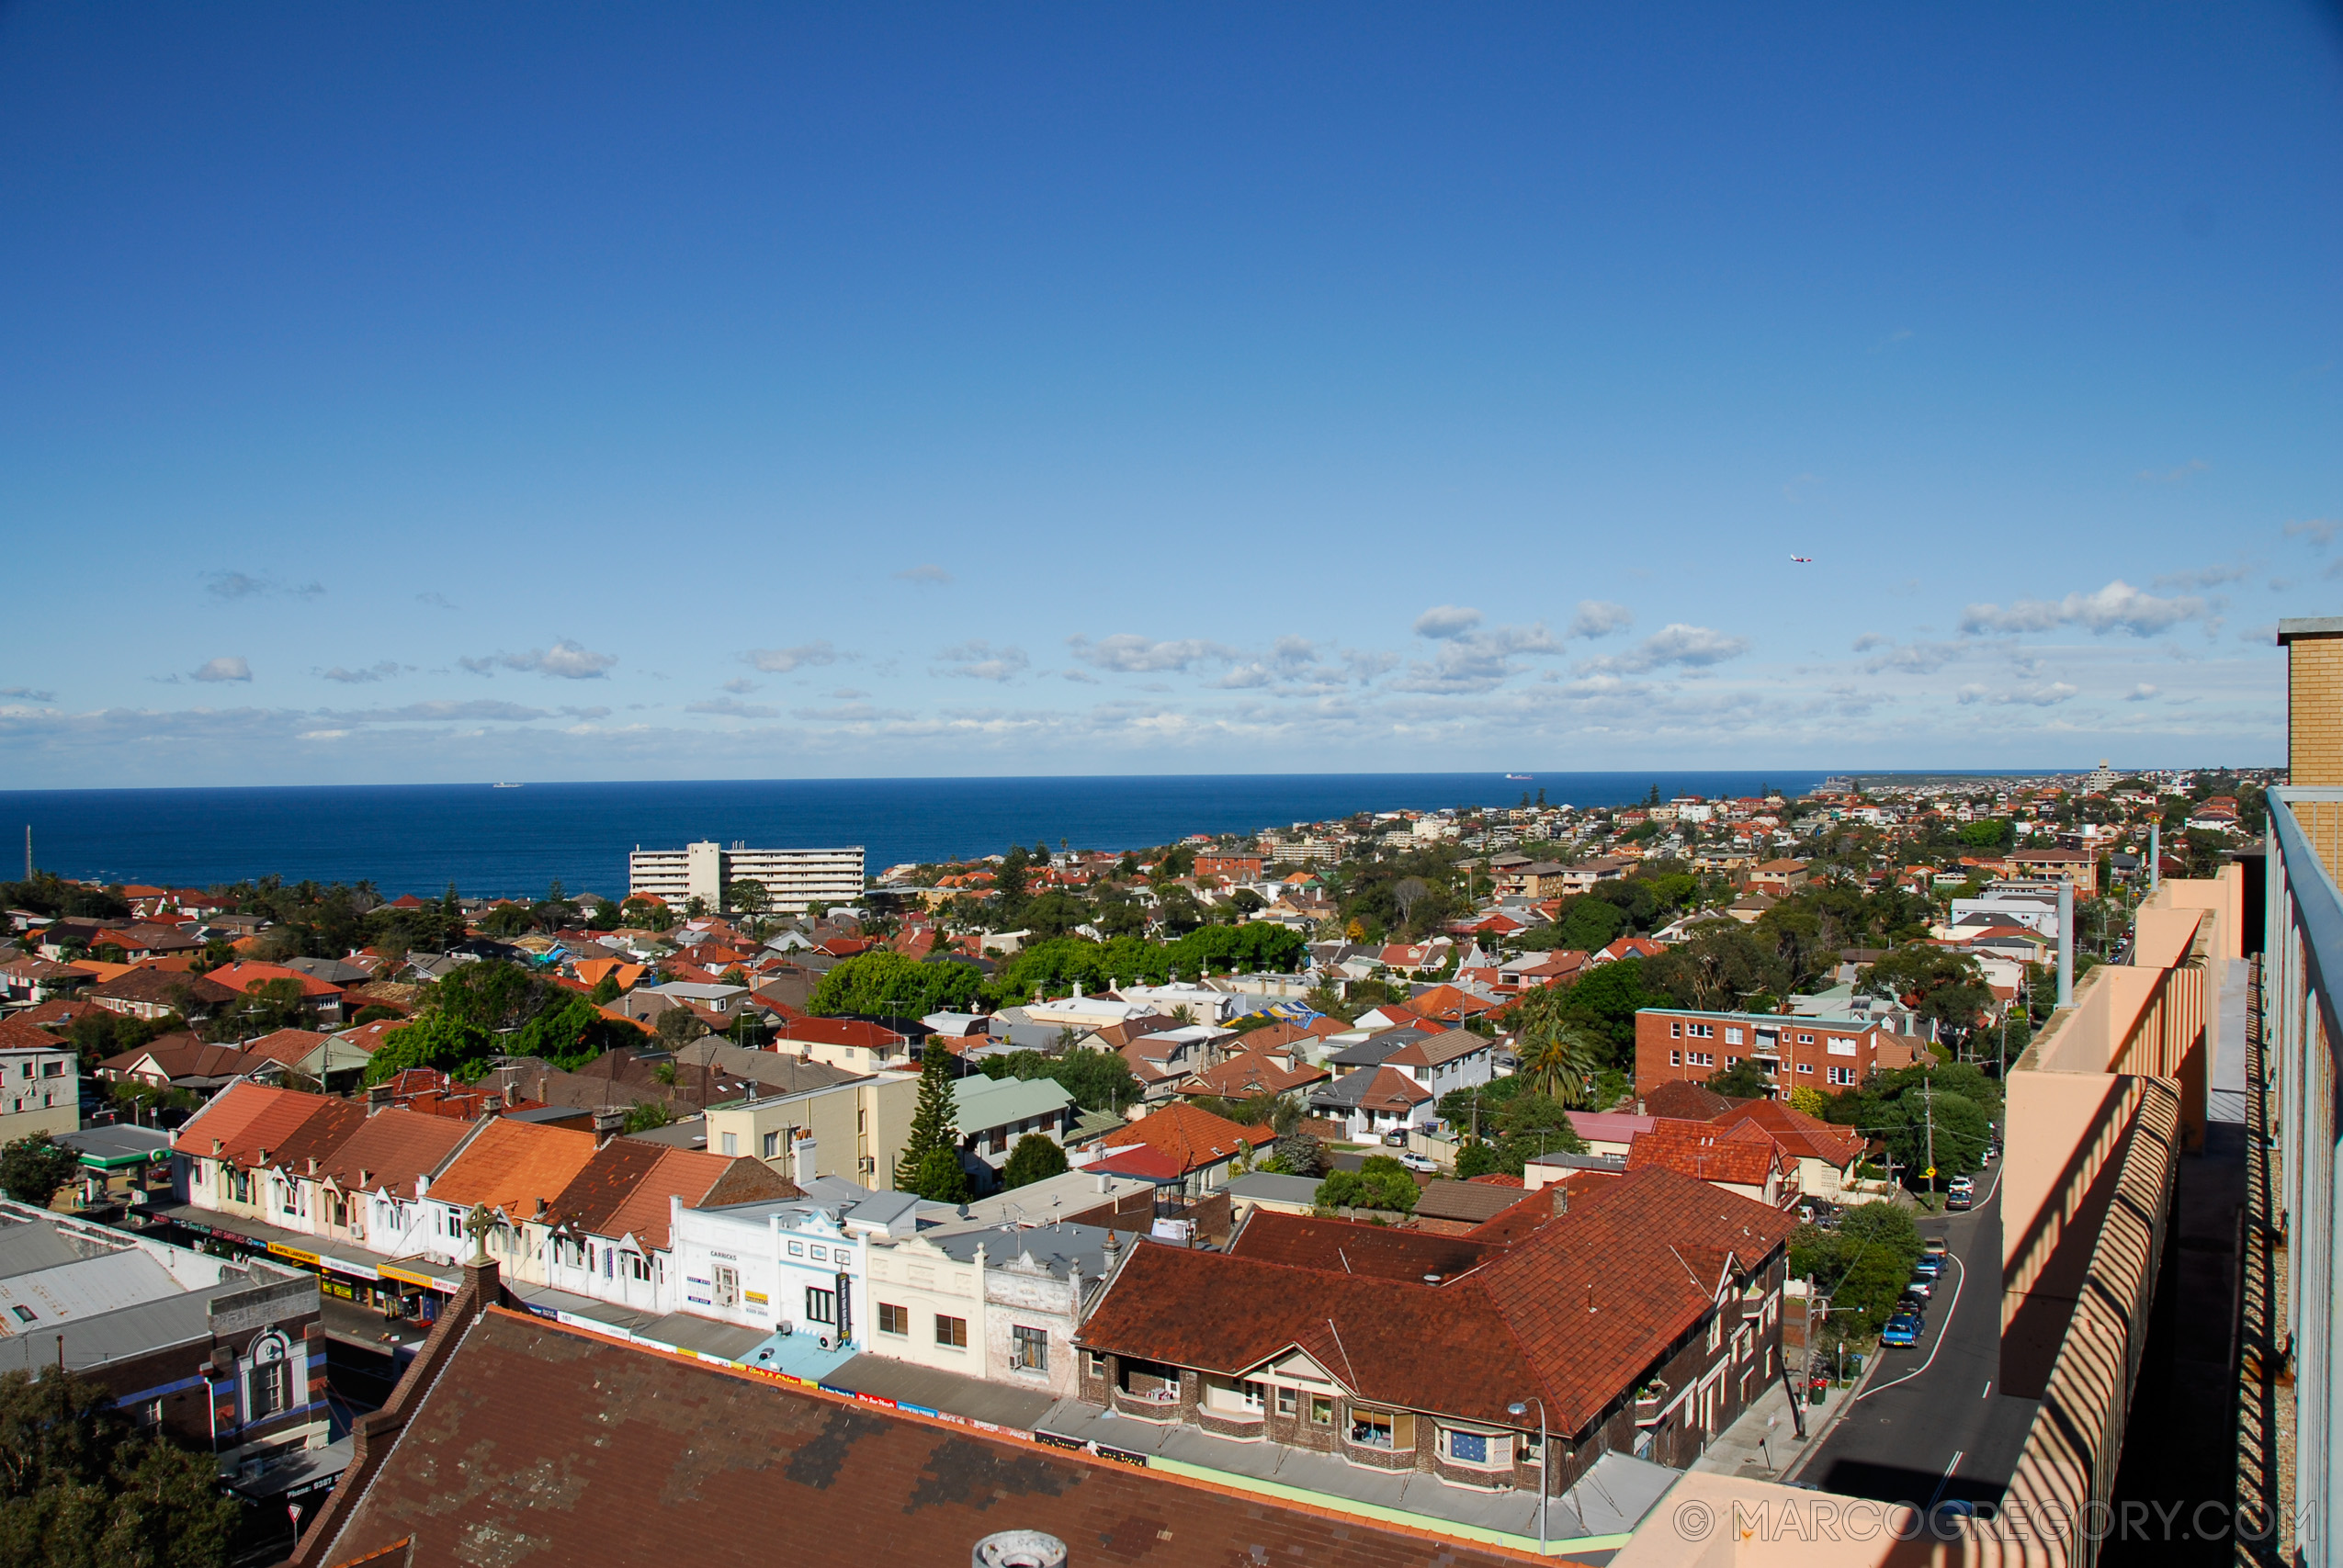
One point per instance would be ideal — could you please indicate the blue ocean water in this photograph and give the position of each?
(418, 838)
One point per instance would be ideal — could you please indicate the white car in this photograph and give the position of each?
(1419, 1162)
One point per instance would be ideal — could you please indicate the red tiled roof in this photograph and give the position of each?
(1391, 1090)
(16, 1034)
(1578, 1310)
(393, 1148)
(1705, 1151)
(240, 978)
(509, 1166)
(245, 1118)
(1189, 1138)
(1255, 1072)
(842, 1032)
(1804, 1137)
(285, 1046)
(1354, 1247)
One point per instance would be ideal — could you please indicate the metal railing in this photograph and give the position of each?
(2301, 1030)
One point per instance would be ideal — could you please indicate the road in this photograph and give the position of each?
(1931, 1425)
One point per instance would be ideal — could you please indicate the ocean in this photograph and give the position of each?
(490, 841)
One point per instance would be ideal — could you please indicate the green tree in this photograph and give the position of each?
(1947, 988)
(1606, 1000)
(1035, 1158)
(1380, 1182)
(1742, 1080)
(571, 1034)
(940, 1178)
(749, 897)
(79, 1488)
(678, 1025)
(1299, 1154)
(932, 1132)
(1560, 1057)
(452, 1045)
(885, 984)
(1477, 1158)
(605, 990)
(647, 1114)
(32, 1168)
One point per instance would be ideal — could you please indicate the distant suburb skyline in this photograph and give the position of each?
(433, 394)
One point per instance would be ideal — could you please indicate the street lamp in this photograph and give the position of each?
(1518, 1408)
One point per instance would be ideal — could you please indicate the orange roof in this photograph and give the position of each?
(1805, 1136)
(1190, 1137)
(245, 975)
(514, 1167)
(1742, 1153)
(285, 1046)
(391, 1149)
(246, 1118)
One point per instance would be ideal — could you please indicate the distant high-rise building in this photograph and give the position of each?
(792, 879)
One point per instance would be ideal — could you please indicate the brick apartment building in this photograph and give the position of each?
(1680, 1045)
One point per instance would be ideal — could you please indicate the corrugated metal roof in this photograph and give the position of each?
(86, 1287)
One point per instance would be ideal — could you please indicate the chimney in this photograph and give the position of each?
(260, 1158)
(364, 1183)
(802, 1161)
(608, 1124)
(1561, 1199)
(2314, 699)
(313, 1165)
(378, 1097)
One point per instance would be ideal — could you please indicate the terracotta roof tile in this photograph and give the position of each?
(393, 1147)
(1191, 1137)
(511, 1166)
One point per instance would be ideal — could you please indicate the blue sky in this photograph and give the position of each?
(446, 393)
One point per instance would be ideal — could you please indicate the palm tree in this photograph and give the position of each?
(1561, 1063)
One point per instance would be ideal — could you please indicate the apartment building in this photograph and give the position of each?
(792, 879)
(40, 1088)
(1829, 1053)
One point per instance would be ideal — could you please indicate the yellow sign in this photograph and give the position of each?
(1929, 1173)
(295, 1253)
(423, 1280)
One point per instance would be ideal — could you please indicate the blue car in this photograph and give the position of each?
(1901, 1330)
(1930, 1266)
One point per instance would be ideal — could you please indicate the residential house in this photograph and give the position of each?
(608, 1235)
(993, 1113)
(179, 1061)
(1583, 877)
(1643, 1319)
(1453, 1059)
(1180, 1148)
(321, 999)
(1254, 1072)
(1370, 1104)
(161, 993)
(2077, 866)
(1826, 1155)
(1737, 1157)
(853, 1044)
(40, 1087)
(1002, 1303)
(1609, 1133)
(854, 1129)
(336, 1061)
(1777, 878)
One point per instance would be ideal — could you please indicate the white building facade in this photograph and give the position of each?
(792, 879)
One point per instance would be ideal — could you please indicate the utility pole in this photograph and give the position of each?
(1927, 1106)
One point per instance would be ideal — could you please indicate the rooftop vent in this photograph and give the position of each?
(1020, 1548)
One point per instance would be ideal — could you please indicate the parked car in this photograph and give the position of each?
(1922, 1285)
(1413, 1161)
(1912, 1305)
(1963, 1184)
(1934, 1247)
(1901, 1330)
(1960, 1198)
(1930, 1266)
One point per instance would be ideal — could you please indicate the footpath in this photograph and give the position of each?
(1764, 1445)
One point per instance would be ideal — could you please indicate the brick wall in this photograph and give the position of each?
(2315, 709)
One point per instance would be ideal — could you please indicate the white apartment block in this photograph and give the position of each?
(41, 1091)
(792, 879)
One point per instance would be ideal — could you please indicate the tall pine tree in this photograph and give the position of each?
(933, 1135)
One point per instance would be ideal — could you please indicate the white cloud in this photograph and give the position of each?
(1446, 621)
(1129, 654)
(2202, 577)
(2049, 695)
(978, 659)
(566, 660)
(741, 686)
(372, 672)
(224, 669)
(1914, 658)
(2140, 693)
(2119, 606)
(2319, 531)
(926, 573)
(732, 707)
(1599, 617)
(781, 661)
(234, 585)
(28, 694)
(1676, 644)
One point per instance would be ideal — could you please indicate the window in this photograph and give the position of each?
(951, 1331)
(728, 1287)
(1372, 1428)
(1253, 1396)
(1028, 1349)
(1840, 1046)
(1288, 1402)
(1093, 1364)
(268, 1387)
(1845, 1076)
(53, 1069)
(820, 1254)
(797, 1249)
(821, 1306)
(1469, 1448)
(1715, 1332)
(24, 1313)
(1806, 1066)
(1732, 1034)
(1675, 1029)
(893, 1319)
(638, 1266)
(1806, 1039)
(1321, 1410)
(731, 1143)
(772, 1144)
(1675, 1058)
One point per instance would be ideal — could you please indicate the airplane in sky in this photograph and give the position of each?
(1802, 560)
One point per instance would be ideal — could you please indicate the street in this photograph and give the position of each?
(1931, 1425)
